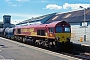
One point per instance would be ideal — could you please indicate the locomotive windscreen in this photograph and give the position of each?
(59, 29)
(62, 29)
(66, 29)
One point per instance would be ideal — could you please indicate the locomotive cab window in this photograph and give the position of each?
(66, 29)
(51, 30)
(58, 29)
(41, 32)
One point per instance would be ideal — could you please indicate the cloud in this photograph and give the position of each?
(41, 1)
(44, 0)
(25, 16)
(67, 6)
(22, 0)
(7, 0)
(11, 3)
(15, 21)
(14, 5)
(15, 2)
(75, 6)
(53, 6)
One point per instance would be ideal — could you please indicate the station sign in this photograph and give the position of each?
(84, 24)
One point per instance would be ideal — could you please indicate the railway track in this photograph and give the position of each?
(74, 53)
(77, 54)
(85, 56)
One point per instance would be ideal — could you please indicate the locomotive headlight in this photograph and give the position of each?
(58, 38)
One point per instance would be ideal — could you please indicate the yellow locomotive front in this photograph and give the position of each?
(63, 32)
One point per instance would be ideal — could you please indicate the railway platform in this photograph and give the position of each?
(13, 50)
(82, 42)
(82, 45)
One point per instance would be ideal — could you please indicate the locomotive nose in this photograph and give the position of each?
(62, 36)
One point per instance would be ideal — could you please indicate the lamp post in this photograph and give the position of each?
(84, 23)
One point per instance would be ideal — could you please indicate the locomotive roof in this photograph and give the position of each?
(26, 26)
(53, 24)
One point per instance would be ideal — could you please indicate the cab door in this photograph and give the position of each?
(51, 31)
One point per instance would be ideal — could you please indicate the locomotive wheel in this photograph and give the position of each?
(37, 42)
(24, 40)
(11, 37)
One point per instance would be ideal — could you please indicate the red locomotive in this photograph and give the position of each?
(52, 34)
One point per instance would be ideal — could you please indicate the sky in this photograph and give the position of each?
(21, 10)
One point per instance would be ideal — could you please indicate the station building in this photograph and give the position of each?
(79, 27)
(6, 21)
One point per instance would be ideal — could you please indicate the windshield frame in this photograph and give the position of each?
(62, 29)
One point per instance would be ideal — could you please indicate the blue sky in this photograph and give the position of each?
(25, 9)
